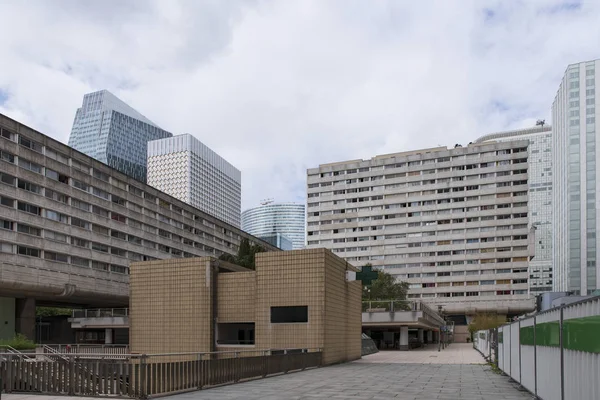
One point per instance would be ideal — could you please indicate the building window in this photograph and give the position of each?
(101, 175)
(4, 156)
(57, 176)
(56, 216)
(7, 179)
(28, 165)
(48, 255)
(80, 223)
(287, 315)
(51, 194)
(28, 251)
(30, 144)
(8, 202)
(80, 262)
(30, 230)
(59, 237)
(29, 208)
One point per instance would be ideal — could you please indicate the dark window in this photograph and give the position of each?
(286, 315)
(8, 179)
(30, 144)
(4, 156)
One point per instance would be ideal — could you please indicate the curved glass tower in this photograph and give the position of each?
(267, 220)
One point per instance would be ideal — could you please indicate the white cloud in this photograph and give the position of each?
(280, 86)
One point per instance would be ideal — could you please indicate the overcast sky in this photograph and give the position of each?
(277, 87)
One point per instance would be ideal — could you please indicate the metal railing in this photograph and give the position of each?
(101, 312)
(92, 350)
(390, 306)
(141, 375)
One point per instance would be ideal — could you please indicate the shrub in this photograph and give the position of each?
(19, 342)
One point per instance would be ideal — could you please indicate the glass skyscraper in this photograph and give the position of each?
(112, 132)
(187, 169)
(576, 173)
(268, 219)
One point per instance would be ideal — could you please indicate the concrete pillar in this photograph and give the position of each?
(429, 336)
(25, 317)
(420, 336)
(7, 318)
(108, 336)
(404, 338)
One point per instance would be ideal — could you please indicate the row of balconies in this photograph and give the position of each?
(424, 178)
(314, 173)
(74, 173)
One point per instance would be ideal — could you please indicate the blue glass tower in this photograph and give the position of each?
(112, 132)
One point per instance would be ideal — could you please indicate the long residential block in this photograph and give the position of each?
(71, 225)
(453, 223)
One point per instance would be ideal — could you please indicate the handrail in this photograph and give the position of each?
(68, 356)
(100, 313)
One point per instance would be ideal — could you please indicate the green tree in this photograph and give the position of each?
(385, 287)
(246, 255)
(52, 311)
(485, 321)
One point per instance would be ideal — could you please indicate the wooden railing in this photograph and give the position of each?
(141, 376)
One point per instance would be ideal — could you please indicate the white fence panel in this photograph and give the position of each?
(482, 342)
(506, 349)
(500, 360)
(515, 349)
(548, 360)
(582, 368)
(527, 358)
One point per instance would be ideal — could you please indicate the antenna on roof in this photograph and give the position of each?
(540, 122)
(266, 201)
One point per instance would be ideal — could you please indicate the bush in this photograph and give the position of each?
(19, 342)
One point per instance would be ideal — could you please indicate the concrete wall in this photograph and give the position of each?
(7, 318)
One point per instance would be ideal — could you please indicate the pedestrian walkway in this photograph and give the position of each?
(458, 373)
(457, 353)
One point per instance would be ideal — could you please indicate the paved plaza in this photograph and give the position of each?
(458, 372)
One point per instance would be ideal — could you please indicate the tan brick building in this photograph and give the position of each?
(293, 300)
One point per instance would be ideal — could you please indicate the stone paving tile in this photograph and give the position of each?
(376, 381)
(382, 376)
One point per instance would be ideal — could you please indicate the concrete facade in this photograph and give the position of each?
(540, 199)
(174, 304)
(71, 225)
(188, 170)
(453, 223)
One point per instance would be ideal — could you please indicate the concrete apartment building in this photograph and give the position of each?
(540, 199)
(576, 221)
(71, 225)
(188, 170)
(293, 300)
(452, 223)
(112, 132)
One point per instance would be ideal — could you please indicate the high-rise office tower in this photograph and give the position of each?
(452, 223)
(112, 132)
(270, 219)
(186, 169)
(540, 199)
(576, 179)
